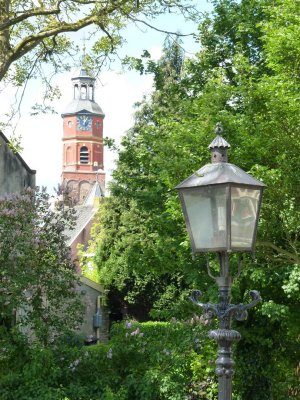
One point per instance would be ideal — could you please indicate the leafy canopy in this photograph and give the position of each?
(242, 76)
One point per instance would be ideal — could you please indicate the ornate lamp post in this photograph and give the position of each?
(221, 205)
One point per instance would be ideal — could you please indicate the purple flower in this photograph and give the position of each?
(128, 325)
(136, 332)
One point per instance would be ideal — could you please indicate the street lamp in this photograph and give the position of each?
(221, 205)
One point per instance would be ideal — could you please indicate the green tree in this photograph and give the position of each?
(244, 77)
(138, 241)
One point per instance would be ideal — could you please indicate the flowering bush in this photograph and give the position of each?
(37, 276)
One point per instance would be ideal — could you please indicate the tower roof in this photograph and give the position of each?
(78, 106)
(83, 95)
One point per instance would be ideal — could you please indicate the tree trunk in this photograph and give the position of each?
(5, 49)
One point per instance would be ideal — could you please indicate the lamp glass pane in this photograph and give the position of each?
(244, 213)
(206, 217)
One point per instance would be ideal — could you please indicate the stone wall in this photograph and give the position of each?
(15, 175)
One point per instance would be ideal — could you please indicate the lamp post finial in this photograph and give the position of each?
(219, 128)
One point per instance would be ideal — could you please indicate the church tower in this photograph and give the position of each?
(82, 140)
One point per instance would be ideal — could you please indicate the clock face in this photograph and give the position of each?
(84, 122)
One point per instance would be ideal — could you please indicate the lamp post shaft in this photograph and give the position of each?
(224, 336)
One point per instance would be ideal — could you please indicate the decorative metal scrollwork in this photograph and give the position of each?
(210, 310)
(240, 312)
(224, 311)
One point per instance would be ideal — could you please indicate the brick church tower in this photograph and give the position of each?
(82, 140)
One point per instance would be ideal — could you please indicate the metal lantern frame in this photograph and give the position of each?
(220, 175)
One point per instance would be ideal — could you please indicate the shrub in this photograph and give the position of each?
(149, 361)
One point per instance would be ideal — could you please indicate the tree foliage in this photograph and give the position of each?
(35, 32)
(246, 76)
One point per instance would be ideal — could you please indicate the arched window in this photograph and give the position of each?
(76, 92)
(68, 155)
(91, 92)
(84, 155)
(83, 90)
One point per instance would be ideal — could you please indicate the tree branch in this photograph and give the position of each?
(35, 12)
(30, 42)
(292, 257)
(85, 2)
(158, 29)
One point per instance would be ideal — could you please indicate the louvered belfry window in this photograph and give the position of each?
(84, 155)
